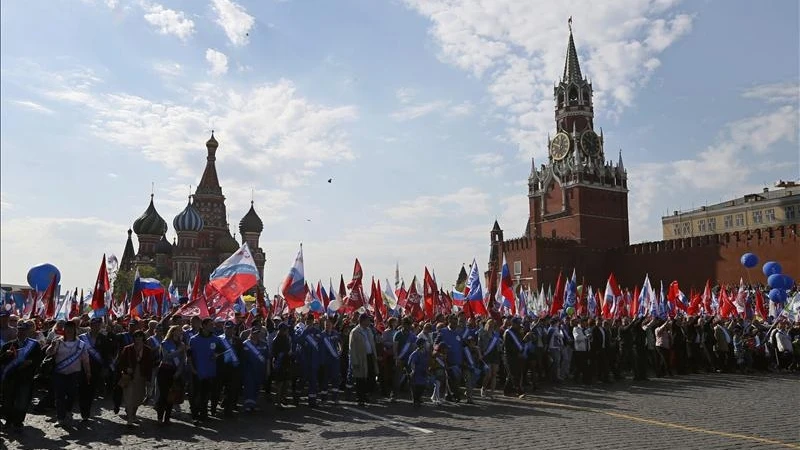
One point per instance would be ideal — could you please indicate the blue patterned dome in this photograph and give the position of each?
(188, 220)
(150, 223)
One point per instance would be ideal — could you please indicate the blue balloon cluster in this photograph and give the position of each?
(39, 276)
(749, 260)
(777, 295)
(771, 268)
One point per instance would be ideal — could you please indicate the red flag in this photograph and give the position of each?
(101, 286)
(707, 298)
(375, 299)
(694, 304)
(428, 292)
(342, 290)
(558, 297)
(196, 307)
(402, 295)
(760, 307)
(50, 299)
(196, 285)
(413, 307)
(726, 308)
(356, 298)
(381, 304)
(635, 303)
(261, 303)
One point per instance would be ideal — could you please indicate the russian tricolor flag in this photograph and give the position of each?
(294, 286)
(475, 294)
(235, 275)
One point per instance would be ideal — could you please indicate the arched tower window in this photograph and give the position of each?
(573, 96)
(586, 98)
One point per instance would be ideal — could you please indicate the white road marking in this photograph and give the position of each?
(386, 419)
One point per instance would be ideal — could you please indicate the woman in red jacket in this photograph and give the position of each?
(136, 367)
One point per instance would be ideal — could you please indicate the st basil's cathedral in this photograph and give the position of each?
(204, 237)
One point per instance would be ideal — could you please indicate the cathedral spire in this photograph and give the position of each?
(209, 182)
(572, 69)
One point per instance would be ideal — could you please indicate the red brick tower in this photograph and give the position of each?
(578, 195)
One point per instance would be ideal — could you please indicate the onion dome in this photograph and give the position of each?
(211, 142)
(251, 223)
(163, 247)
(188, 220)
(227, 244)
(150, 223)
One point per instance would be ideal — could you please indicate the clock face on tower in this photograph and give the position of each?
(559, 146)
(590, 143)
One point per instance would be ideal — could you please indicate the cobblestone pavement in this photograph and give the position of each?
(695, 411)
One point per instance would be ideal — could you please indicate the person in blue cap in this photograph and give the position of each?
(19, 359)
(311, 346)
(255, 366)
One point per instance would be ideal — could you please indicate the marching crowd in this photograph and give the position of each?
(226, 367)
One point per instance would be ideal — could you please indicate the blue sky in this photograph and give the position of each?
(424, 112)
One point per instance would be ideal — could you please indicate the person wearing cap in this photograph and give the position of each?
(363, 360)
(331, 361)
(255, 367)
(281, 364)
(490, 343)
(229, 372)
(513, 358)
(19, 359)
(154, 342)
(452, 336)
(98, 346)
(418, 363)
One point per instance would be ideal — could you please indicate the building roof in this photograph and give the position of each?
(572, 69)
(765, 195)
(209, 182)
(188, 220)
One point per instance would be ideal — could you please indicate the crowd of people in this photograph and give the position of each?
(228, 367)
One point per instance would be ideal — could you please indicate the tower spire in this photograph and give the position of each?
(572, 69)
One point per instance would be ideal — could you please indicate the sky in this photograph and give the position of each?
(425, 114)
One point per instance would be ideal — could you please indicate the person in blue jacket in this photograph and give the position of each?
(331, 351)
(310, 343)
(255, 366)
(418, 364)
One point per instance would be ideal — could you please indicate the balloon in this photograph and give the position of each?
(570, 311)
(777, 295)
(771, 267)
(788, 282)
(39, 276)
(749, 260)
(776, 281)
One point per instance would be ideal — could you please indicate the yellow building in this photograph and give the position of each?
(770, 208)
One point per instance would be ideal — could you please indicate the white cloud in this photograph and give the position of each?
(488, 163)
(63, 241)
(411, 112)
(168, 69)
(33, 106)
(112, 175)
(262, 126)
(5, 203)
(519, 48)
(218, 62)
(460, 110)
(729, 168)
(786, 92)
(462, 202)
(405, 95)
(168, 21)
(233, 18)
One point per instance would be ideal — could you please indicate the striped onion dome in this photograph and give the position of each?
(188, 220)
(150, 223)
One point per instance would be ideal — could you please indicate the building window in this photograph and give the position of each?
(517, 267)
(739, 220)
(789, 212)
(687, 228)
(701, 225)
(712, 224)
(770, 215)
(676, 229)
(758, 217)
(728, 221)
